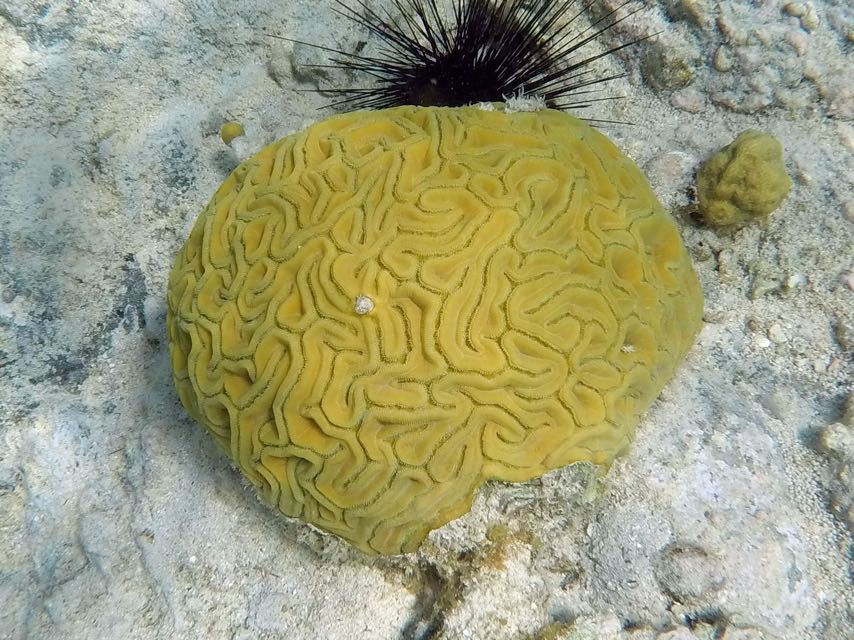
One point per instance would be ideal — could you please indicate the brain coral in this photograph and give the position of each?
(374, 316)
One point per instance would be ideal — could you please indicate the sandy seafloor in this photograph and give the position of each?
(730, 517)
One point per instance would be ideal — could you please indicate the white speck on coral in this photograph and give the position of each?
(628, 348)
(363, 305)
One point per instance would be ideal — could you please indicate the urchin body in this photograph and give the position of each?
(464, 52)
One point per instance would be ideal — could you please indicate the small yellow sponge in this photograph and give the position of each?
(376, 315)
(744, 181)
(231, 130)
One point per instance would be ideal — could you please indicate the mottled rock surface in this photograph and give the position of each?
(730, 515)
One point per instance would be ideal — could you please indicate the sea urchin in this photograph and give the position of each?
(484, 51)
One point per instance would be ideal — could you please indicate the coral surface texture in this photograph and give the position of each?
(377, 314)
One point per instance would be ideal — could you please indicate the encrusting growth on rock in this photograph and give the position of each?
(230, 130)
(743, 182)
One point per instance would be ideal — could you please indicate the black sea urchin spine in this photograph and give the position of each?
(483, 51)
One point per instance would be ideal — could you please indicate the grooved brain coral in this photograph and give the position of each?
(530, 299)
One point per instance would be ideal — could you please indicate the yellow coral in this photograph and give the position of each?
(374, 316)
(745, 180)
(231, 130)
